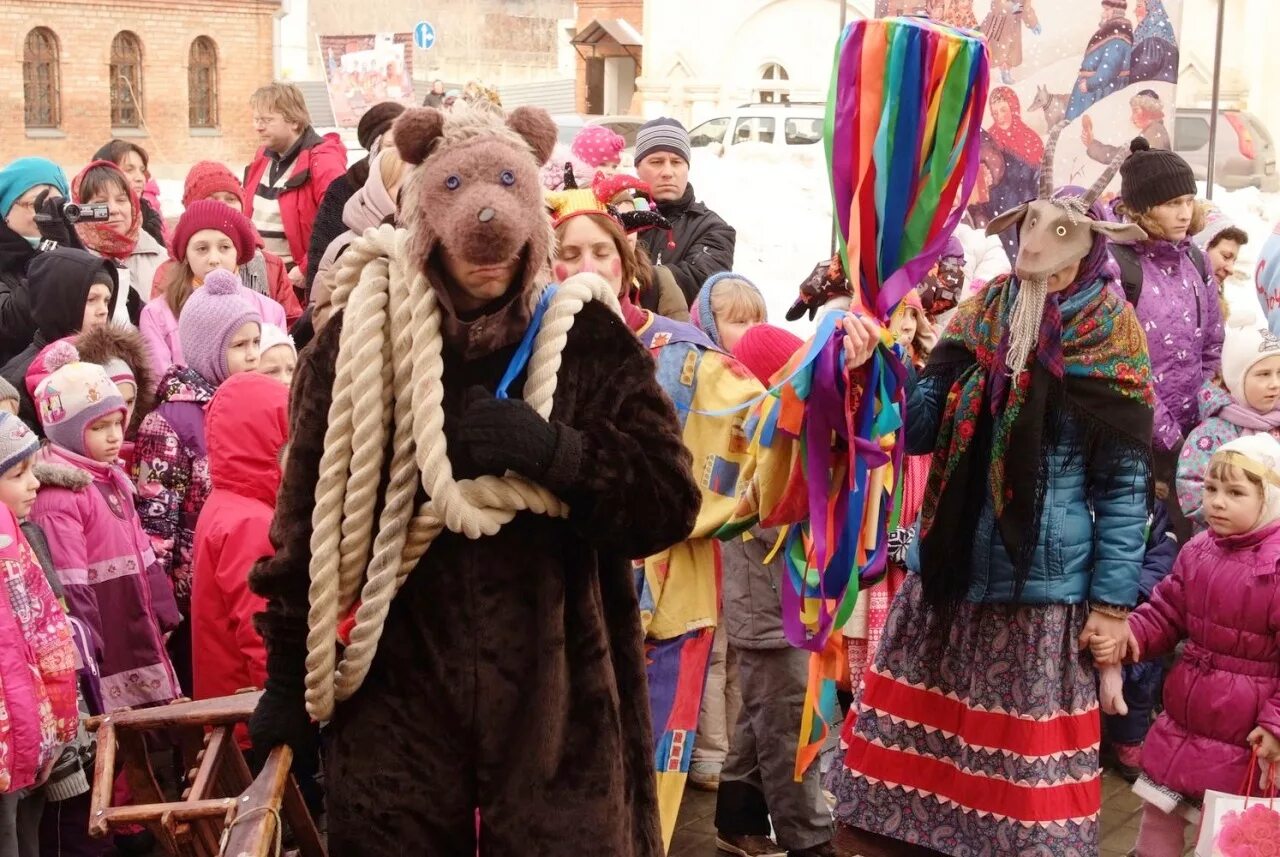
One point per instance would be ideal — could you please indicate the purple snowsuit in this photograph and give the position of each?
(1223, 598)
(1180, 313)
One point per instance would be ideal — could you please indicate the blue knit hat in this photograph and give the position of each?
(16, 441)
(24, 174)
(704, 317)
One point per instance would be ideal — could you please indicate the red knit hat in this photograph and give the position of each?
(765, 349)
(207, 178)
(211, 214)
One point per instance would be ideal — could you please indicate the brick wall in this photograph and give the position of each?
(241, 29)
(631, 11)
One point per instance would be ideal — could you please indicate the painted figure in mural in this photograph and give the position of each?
(1003, 29)
(1146, 112)
(1155, 47)
(1105, 66)
(895, 8)
(1054, 105)
(957, 13)
(1021, 150)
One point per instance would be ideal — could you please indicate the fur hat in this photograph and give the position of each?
(73, 396)
(211, 214)
(1244, 346)
(476, 188)
(212, 316)
(1151, 177)
(206, 178)
(376, 121)
(596, 145)
(1258, 454)
(765, 349)
(17, 441)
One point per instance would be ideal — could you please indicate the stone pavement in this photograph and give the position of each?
(1121, 810)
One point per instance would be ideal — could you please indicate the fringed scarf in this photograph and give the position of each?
(997, 433)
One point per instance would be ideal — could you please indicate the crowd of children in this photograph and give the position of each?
(128, 532)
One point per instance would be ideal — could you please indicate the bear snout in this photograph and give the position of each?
(486, 214)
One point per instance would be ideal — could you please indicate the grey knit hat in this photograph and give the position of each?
(662, 135)
(16, 441)
(7, 391)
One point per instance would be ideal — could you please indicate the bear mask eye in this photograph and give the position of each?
(1062, 231)
(453, 182)
(508, 178)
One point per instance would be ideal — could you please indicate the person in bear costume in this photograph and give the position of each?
(509, 675)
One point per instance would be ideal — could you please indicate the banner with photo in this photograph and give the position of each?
(1107, 67)
(361, 71)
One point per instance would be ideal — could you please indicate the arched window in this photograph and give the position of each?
(202, 83)
(41, 100)
(771, 87)
(126, 81)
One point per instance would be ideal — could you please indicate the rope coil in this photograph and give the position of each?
(389, 383)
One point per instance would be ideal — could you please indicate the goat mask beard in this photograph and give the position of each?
(1024, 322)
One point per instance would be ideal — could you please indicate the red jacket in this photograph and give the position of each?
(321, 160)
(246, 428)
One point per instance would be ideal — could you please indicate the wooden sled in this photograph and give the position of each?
(224, 810)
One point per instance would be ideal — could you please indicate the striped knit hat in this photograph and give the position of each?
(662, 135)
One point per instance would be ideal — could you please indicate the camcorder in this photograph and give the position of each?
(75, 212)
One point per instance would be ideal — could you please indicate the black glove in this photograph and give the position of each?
(281, 716)
(507, 434)
(53, 223)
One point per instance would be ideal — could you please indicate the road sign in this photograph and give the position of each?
(424, 35)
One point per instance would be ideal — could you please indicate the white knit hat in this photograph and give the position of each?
(1261, 454)
(1244, 345)
(272, 336)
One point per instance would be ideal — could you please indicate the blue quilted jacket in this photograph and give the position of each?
(1092, 536)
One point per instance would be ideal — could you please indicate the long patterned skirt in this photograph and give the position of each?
(985, 745)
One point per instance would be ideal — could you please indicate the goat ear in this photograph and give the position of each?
(1121, 233)
(1004, 221)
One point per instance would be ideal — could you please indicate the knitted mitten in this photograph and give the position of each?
(281, 716)
(508, 434)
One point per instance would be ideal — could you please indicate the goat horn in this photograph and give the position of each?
(1046, 165)
(1103, 180)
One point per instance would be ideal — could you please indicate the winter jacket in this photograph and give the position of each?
(328, 223)
(1092, 530)
(368, 207)
(664, 297)
(136, 276)
(751, 590)
(37, 665)
(1162, 550)
(159, 327)
(704, 243)
(16, 324)
(320, 161)
(1223, 598)
(171, 469)
(265, 274)
(1219, 427)
(247, 429)
(109, 572)
(152, 221)
(1180, 313)
(58, 284)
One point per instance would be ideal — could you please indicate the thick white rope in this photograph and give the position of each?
(388, 384)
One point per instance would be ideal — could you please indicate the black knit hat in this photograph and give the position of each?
(1151, 177)
(376, 121)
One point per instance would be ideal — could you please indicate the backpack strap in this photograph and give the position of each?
(1198, 259)
(1130, 271)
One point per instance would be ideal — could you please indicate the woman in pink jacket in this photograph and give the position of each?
(210, 236)
(1222, 698)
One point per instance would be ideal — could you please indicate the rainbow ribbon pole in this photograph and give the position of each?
(902, 137)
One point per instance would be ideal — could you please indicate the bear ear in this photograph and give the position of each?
(416, 133)
(535, 126)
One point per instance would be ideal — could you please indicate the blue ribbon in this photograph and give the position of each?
(520, 359)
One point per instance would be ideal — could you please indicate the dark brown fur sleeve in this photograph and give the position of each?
(628, 480)
(285, 578)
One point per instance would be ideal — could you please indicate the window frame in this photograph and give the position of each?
(208, 94)
(134, 92)
(52, 84)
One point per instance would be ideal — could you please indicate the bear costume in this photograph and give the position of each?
(510, 673)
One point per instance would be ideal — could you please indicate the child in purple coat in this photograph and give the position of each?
(1222, 698)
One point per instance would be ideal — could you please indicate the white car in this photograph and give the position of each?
(794, 124)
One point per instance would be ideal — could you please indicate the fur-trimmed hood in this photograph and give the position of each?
(124, 342)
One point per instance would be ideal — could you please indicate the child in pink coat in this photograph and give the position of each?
(1222, 698)
(104, 560)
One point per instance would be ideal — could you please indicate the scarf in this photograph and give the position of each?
(101, 238)
(1248, 420)
(1115, 28)
(1019, 139)
(996, 433)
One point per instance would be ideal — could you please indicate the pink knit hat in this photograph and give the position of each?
(211, 316)
(596, 146)
(74, 396)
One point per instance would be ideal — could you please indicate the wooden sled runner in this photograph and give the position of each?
(224, 810)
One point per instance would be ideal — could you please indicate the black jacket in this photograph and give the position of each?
(704, 243)
(152, 222)
(58, 283)
(16, 324)
(328, 224)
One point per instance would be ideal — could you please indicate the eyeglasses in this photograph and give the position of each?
(265, 120)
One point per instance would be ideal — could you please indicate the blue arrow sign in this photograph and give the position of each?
(424, 35)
